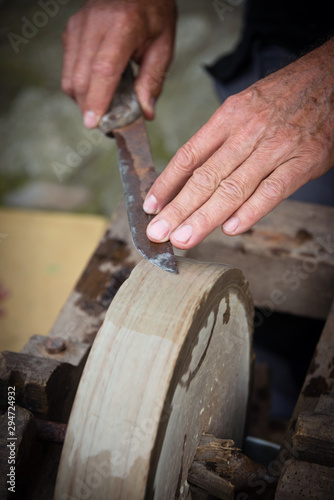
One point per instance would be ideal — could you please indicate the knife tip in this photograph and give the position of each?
(172, 270)
(165, 261)
(171, 267)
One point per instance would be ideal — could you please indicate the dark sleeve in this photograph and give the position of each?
(296, 25)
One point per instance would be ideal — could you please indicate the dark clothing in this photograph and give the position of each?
(295, 25)
(274, 35)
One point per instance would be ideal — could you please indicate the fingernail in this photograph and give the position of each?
(151, 205)
(90, 120)
(183, 233)
(231, 225)
(158, 230)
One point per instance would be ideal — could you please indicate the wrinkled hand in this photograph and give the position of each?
(257, 149)
(100, 39)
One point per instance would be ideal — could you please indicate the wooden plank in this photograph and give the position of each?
(302, 480)
(214, 485)
(47, 371)
(223, 461)
(46, 387)
(24, 450)
(313, 439)
(287, 257)
(318, 382)
(45, 479)
(196, 493)
(57, 349)
(111, 263)
(326, 403)
(320, 376)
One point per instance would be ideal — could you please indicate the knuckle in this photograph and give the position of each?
(252, 210)
(176, 211)
(126, 18)
(229, 103)
(185, 158)
(232, 189)
(233, 103)
(240, 110)
(272, 189)
(154, 80)
(73, 22)
(204, 219)
(314, 152)
(80, 83)
(204, 179)
(162, 184)
(103, 68)
(166, 56)
(121, 20)
(283, 138)
(72, 28)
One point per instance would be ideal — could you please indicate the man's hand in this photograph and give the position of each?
(257, 149)
(99, 41)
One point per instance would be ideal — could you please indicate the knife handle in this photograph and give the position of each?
(124, 107)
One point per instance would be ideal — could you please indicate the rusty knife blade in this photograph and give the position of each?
(138, 174)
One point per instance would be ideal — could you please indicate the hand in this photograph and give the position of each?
(257, 149)
(99, 41)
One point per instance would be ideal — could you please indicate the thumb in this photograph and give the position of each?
(151, 75)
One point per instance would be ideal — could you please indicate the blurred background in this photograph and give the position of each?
(59, 183)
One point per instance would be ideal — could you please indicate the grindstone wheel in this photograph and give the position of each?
(172, 360)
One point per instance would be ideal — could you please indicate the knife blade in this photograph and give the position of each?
(124, 122)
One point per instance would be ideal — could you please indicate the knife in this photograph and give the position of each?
(124, 121)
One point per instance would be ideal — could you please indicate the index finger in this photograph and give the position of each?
(107, 67)
(71, 39)
(187, 159)
(86, 51)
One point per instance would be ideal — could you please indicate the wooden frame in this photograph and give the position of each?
(296, 237)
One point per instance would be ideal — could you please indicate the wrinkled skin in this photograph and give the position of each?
(100, 39)
(257, 149)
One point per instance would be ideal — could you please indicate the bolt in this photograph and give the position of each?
(54, 345)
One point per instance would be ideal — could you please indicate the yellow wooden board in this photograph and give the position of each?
(42, 254)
